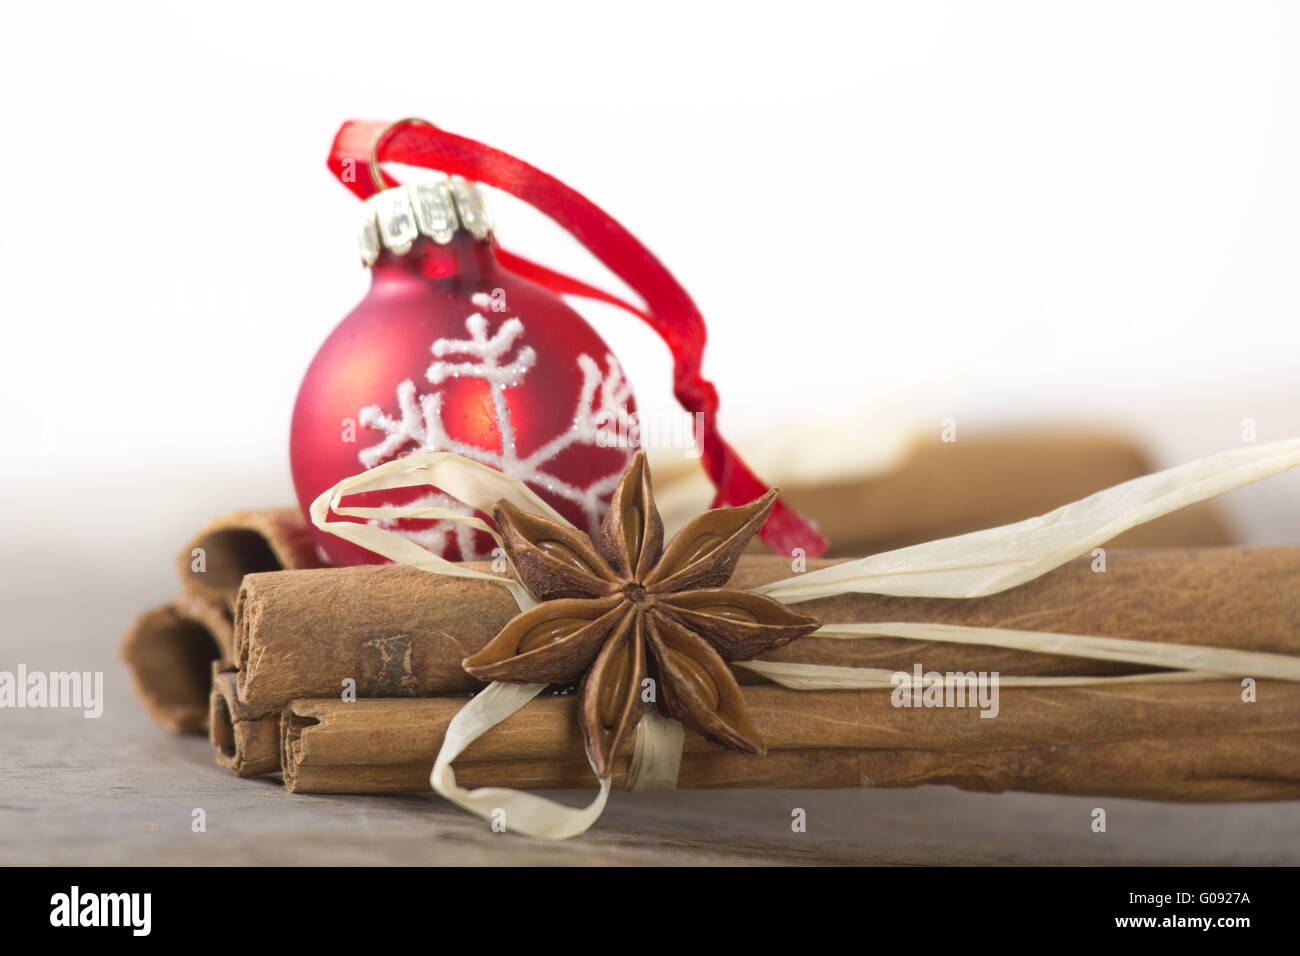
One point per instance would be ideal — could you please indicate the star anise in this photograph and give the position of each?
(626, 608)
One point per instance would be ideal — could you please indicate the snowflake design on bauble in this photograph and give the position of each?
(418, 426)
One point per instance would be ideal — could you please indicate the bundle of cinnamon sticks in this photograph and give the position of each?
(398, 634)
(345, 680)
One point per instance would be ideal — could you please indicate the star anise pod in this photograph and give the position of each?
(625, 608)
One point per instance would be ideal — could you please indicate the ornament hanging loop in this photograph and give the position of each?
(376, 174)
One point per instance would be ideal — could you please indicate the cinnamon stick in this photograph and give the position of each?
(395, 631)
(390, 731)
(398, 631)
(1190, 770)
(247, 743)
(214, 563)
(170, 653)
(1150, 741)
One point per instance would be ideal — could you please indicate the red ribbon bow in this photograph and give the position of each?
(668, 308)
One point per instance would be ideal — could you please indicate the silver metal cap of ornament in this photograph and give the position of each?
(394, 218)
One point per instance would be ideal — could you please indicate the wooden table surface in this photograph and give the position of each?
(118, 790)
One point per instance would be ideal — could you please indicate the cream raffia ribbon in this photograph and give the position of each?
(657, 754)
(524, 812)
(966, 566)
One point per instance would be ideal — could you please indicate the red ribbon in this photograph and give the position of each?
(668, 308)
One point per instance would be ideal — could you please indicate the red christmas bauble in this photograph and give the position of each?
(451, 352)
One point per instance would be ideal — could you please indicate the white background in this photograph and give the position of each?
(889, 213)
